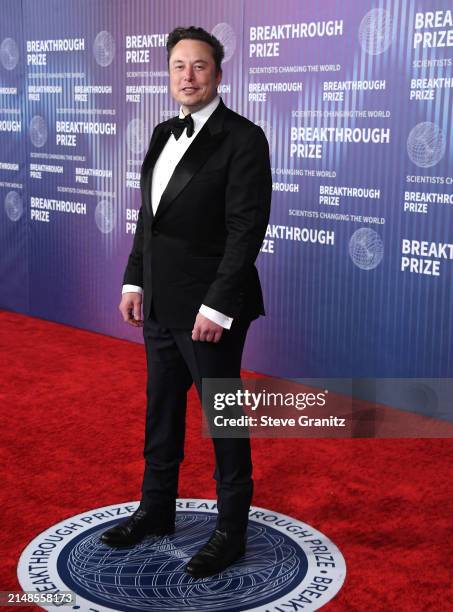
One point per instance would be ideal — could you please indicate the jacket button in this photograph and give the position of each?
(155, 233)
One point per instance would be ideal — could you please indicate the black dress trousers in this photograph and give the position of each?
(174, 361)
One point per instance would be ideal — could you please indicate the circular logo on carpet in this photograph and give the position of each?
(288, 565)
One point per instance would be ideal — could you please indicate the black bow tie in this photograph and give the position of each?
(179, 125)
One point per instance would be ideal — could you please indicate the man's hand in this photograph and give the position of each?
(206, 330)
(131, 308)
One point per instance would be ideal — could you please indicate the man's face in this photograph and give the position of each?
(193, 76)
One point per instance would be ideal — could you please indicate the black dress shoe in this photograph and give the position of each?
(220, 551)
(136, 527)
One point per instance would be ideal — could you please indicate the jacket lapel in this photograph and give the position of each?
(205, 144)
(155, 149)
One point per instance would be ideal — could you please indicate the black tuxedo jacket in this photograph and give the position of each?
(201, 245)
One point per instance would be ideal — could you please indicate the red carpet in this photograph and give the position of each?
(73, 410)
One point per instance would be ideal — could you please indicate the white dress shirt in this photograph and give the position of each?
(163, 169)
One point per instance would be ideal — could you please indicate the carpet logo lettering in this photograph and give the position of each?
(287, 563)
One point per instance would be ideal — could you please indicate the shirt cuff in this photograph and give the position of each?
(131, 289)
(215, 316)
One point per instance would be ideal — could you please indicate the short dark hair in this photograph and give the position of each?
(194, 33)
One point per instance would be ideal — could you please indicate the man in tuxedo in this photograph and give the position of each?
(206, 189)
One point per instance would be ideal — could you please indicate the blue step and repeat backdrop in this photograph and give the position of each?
(355, 99)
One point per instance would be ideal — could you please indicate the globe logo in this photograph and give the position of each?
(9, 53)
(14, 207)
(225, 33)
(424, 398)
(104, 48)
(426, 144)
(376, 31)
(38, 131)
(278, 565)
(104, 216)
(366, 248)
(135, 136)
(155, 578)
